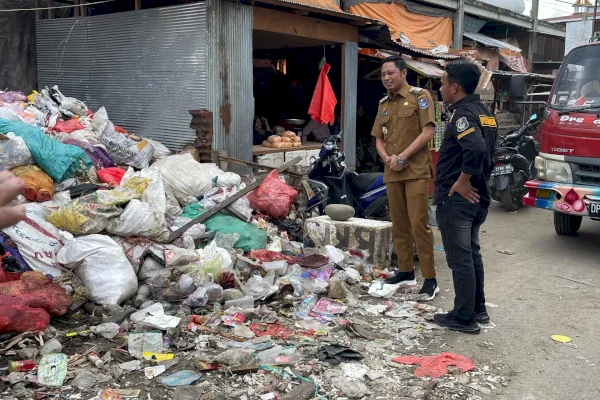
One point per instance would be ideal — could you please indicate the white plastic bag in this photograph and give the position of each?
(141, 220)
(126, 149)
(101, 265)
(382, 289)
(160, 150)
(14, 152)
(154, 195)
(9, 114)
(210, 252)
(38, 240)
(226, 179)
(186, 176)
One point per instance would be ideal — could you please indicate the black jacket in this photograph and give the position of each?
(468, 146)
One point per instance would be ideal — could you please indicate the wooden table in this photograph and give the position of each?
(259, 149)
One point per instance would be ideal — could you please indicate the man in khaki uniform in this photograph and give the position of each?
(403, 129)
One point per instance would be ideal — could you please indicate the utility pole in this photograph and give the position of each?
(535, 5)
(459, 26)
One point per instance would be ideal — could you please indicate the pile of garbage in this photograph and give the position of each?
(109, 288)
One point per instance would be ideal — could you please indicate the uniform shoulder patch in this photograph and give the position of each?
(384, 99)
(415, 90)
(423, 103)
(488, 121)
(462, 124)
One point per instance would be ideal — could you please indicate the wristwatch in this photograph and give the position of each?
(400, 161)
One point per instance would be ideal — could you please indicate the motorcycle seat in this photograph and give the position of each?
(363, 182)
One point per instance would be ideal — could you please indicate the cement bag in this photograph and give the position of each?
(38, 185)
(37, 240)
(90, 213)
(154, 195)
(60, 161)
(140, 219)
(126, 149)
(186, 177)
(13, 152)
(101, 265)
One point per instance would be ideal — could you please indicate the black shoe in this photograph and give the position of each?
(403, 279)
(430, 289)
(454, 323)
(482, 317)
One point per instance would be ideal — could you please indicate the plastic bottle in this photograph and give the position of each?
(244, 303)
(94, 359)
(142, 295)
(307, 305)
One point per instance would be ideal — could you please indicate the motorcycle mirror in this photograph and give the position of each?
(533, 117)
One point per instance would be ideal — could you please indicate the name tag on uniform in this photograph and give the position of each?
(487, 121)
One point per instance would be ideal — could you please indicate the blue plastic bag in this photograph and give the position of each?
(60, 161)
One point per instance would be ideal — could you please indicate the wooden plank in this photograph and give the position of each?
(138, 4)
(84, 8)
(255, 166)
(295, 25)
(50, 10)
(228, 201)
(259, 149)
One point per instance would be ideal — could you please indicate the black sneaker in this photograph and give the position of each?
(453, 323)
(430, 289)
(402, 279)
(482, 317)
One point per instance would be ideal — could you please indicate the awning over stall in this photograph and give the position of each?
(426, 69)
(491, 42)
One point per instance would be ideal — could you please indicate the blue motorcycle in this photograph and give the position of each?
(331, 183)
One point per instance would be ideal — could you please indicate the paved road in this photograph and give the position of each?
(534, 304)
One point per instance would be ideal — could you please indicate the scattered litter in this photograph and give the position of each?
(561, 338)
(507, 252)
(181, 378)
(436, 366)
(152, 372)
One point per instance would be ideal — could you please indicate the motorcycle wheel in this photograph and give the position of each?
(509, 200)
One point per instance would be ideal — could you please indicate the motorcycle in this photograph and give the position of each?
(514, 165)
(331, 183)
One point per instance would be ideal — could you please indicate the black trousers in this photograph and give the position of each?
(459, 222)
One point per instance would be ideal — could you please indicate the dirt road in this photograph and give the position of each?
(533, 304)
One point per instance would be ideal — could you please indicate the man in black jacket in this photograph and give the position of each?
(461, 193)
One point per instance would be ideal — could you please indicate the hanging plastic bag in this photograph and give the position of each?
(38, 185)
(13, 152)
(126, 149)
(37, 240)
(273, 197)
(60, 161)
(111, 176)
(101, 265)
(140, 219)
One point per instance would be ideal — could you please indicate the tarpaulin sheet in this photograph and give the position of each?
(514, 60)
(328, 4)
(424, 32)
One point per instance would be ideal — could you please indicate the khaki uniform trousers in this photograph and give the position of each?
(410, 216)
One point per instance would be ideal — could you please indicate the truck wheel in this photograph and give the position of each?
(565, 224)
(509, 200)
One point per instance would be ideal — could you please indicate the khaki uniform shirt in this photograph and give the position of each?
(400, 120)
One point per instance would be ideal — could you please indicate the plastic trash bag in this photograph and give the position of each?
(68, 126)
(273, 197)
(140, 219)
(382, 289)
(13, 152)
(90, 213)
(60, 161)
(160, 150)
(126, 149)
(154, 195)
(187, 177)
(38, 185)
(112, 176)
(35, 290)
(69, 106)
(204, 294)
(97, 155)
(101, 265)
(9, 114)
(37, 240)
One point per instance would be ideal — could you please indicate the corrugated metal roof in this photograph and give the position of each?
(317, 9)
(425, 53)
(529, 74)
(426, 69)
(488, 41)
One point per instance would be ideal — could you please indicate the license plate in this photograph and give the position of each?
(502, 169)
(594, 210)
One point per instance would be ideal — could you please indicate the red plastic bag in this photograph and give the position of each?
(118, 129)
(112, 175)
(273, 197)
(68, 126)
(268, 255)
(17, 318)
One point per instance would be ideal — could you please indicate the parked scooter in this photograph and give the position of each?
(333, 184)
(514, 165)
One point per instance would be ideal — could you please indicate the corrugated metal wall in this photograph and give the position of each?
(230, 93)
(148, 67)
(350, 59)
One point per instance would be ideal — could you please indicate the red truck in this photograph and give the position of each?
(568, 166)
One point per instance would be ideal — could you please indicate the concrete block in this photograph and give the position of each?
(356, 233)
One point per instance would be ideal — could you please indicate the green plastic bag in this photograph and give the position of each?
(60, 161)
(251, 238)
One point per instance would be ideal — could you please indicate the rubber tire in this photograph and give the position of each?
(509, 203)
(565, 224)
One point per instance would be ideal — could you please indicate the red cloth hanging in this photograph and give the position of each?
(323, 102)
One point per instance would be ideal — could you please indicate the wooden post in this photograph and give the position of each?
(38, 12)
(76, 9)
(459, 21)
(138, 4)
(50, 10)
(535, 5)
(84, 8)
